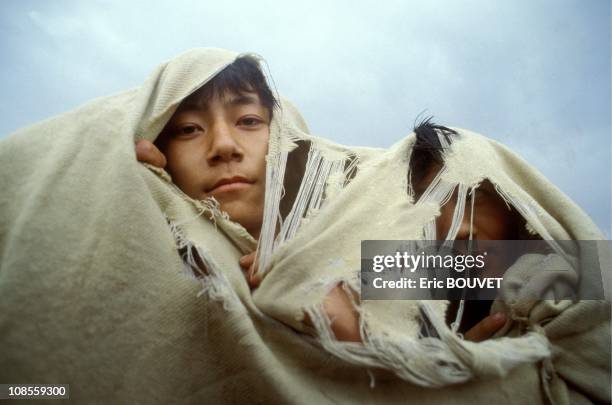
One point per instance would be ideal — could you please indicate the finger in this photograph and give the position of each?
(246, 261)
(339, 307)
(249, 262)
(253, 279)
(486, 328)
(147, 152)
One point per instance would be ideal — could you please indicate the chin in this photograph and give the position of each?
(236, 212)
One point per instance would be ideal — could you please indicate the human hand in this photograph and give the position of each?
(337, 304)
(486, 327)
(339, 308)
(248, 264)
(346, 326)
(147, 152)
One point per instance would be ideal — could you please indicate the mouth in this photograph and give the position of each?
(230, 184)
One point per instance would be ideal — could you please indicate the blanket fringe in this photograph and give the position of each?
(437, 359)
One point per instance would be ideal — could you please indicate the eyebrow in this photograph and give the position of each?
(242, 99)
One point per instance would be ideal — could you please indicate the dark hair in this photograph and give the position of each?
(241, 76)
(427, 149)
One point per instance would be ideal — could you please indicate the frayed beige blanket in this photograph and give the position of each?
(98, 288)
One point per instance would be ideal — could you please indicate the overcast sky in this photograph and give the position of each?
(533, 74)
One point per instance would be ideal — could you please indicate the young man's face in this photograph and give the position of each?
(218, 150)
(493, 220)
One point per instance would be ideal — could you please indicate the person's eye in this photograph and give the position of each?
(250, 122)
(187, 130)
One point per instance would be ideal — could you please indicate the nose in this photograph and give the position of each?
(464, 228)
(223, 147)
(445, 220)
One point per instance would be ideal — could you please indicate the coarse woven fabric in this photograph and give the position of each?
(98, 289)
